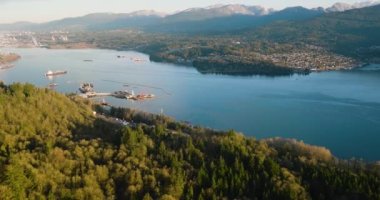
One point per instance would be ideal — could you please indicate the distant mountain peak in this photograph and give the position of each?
(146, 13)
(220, 10)
(139, 13)
(295, 8)
(341, 6)
(215, 6)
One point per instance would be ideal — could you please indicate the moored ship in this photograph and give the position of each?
(86, 87)
(142, 97)
(122, 94)
(55, 73)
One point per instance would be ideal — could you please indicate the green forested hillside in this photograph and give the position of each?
(53, 147)
(353, 33)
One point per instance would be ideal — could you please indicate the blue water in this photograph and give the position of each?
(339, 110)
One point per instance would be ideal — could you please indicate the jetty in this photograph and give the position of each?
(94, 94)
(118, 94)
(87, 90)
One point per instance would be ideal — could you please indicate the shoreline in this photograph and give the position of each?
(268, 71)
(253, 68)
(260, 67)
(106, 111)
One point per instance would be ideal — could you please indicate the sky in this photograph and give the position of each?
(47, 10)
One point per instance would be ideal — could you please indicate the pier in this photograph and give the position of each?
(87, 90)
(95, 94)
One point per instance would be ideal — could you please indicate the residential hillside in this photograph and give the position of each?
(233, 40)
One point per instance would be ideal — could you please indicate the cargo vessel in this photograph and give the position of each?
(55, 73)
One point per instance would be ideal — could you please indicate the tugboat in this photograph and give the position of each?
(53, 84)
(142, 97)
(104, 103)
(121, 94)
(86, 87)
(51, 73)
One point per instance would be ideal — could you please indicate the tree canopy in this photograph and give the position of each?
(53, 147)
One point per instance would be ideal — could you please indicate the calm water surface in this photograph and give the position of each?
(339, 110)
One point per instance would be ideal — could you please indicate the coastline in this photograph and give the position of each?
(231, 65)
(121, 53)
(131, 116)
(294, 59)
(226, 66)
(222, 63)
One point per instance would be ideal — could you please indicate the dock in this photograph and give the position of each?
(95, 94)
(87, 91)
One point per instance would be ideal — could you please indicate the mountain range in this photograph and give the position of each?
(217, 18)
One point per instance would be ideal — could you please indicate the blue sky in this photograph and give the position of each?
(45, 10)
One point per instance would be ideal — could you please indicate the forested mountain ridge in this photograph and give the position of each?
(184, 24)
(353, 32)
(53, 147)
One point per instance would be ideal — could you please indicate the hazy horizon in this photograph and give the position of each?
(39, 11)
